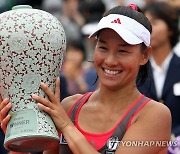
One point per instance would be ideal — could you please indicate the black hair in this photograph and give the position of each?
(77, 44)
(167, 13)
(137, 15)
(92, 11)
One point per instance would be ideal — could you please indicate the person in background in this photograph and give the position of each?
(176, 5)
(67, 12)
(99, 121)
(72, 68)
(92, 12)
(164, 83)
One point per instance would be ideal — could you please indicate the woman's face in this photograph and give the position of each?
(117, 63)
(160, 31)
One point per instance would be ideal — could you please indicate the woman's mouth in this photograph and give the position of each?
(111, 72)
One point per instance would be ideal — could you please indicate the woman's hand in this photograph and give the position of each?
(53, 106)
(5, 106)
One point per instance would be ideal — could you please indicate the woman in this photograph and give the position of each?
(117, 113)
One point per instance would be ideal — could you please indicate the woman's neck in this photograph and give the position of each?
(122, 97)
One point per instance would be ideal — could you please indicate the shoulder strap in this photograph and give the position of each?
(121, 129)
(77, 105)
(123, 125)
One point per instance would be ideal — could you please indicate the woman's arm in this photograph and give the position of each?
(77, 142)
(58, 111)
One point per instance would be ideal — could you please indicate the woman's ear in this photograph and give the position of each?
(146, 55)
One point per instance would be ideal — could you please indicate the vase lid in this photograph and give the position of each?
(21, 7)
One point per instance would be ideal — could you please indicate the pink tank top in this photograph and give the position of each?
(99, 140)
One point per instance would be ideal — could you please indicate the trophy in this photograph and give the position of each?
(32, 47)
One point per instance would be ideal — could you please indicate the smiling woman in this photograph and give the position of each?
(116, 113)
(116, 61)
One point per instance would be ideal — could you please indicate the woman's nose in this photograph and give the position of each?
(111, 60)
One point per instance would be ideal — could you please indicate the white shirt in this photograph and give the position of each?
(160, 72)
(177, 48)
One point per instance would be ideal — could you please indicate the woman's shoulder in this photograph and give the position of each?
(153, 111)
(152, 124)
(68, 102)
(156, 115)
(158, 108)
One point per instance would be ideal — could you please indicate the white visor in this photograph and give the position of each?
(129, 29)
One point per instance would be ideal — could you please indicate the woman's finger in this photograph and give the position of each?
(57, 89)
(46, 89)
(45, 108)
(4, 108)
(4, 103)
(4, 122)
(42, 100)
(49, 92)
(1, 99)
(4, 111)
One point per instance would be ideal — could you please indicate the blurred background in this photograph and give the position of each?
(79, 18)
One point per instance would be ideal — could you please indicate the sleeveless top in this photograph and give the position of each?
(116, 134)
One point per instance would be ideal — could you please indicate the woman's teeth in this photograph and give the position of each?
(111, 72)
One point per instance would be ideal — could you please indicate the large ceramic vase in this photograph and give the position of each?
(32, 46)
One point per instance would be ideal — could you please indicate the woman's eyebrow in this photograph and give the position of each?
(101, 41)
(124, 45)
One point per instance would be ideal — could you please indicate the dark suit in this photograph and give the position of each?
(2, 149)
(168, 97)
(63, 87)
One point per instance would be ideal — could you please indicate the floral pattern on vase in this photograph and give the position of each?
(32, 47)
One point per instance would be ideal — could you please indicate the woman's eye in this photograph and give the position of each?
(122, 51)
(103, 48)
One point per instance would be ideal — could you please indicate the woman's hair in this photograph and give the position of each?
(77, 44)
(132, 11)
(165, 12)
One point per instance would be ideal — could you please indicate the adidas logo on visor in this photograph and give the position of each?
(116, 21)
